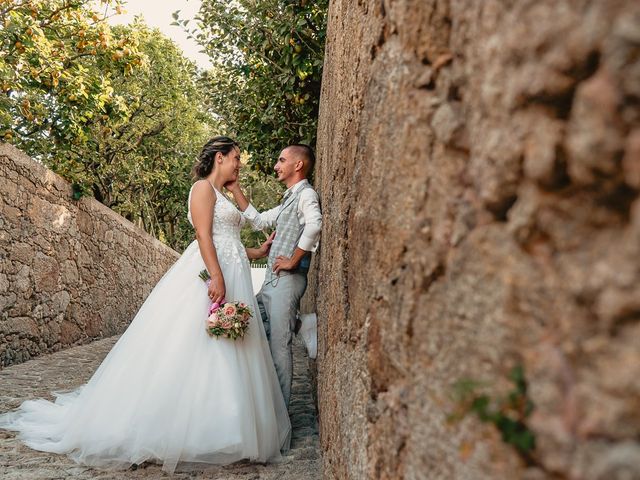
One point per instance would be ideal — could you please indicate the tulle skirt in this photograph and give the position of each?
(167, 391)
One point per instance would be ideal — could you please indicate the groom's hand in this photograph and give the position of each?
(284, 263)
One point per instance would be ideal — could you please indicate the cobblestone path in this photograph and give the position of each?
(71, 368)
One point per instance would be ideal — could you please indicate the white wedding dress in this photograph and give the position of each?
(167, 391)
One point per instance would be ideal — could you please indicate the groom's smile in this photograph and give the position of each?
(285, 167)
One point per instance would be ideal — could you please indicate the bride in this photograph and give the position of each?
(167, 391)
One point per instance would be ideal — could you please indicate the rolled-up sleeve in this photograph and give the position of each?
(260, 221)
(309, 207)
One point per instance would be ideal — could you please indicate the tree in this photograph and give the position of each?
(139, 164)
(50, 96)
(265, 84)
(116, 111)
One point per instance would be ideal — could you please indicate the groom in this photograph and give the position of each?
(297, 221)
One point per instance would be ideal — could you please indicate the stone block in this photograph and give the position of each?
(46, 272)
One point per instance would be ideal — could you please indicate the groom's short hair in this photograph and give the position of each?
(305, 152)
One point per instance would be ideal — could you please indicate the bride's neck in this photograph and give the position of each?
(216, 180)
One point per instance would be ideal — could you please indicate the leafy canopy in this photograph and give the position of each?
(51, 95)
(117, 111)
(265, 83)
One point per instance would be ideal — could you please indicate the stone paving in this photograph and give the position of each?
(71, 368)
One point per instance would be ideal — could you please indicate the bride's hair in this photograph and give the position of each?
(205, 162)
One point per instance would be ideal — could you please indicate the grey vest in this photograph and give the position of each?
(288, 233)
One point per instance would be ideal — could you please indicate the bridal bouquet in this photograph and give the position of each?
(226, 319)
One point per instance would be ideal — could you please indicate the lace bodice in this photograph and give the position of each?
(227, 222)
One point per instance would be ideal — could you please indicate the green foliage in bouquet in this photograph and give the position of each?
(204, 275)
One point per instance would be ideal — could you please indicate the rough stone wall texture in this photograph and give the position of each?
(70, 272)
(479, 170)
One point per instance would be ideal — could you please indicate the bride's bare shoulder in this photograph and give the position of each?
(202, 189)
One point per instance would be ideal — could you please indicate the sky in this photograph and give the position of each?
(157, 13)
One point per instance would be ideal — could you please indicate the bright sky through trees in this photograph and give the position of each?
(158, 14)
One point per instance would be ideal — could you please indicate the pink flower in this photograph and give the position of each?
(226, 324)
(230, 310)
(214, 307)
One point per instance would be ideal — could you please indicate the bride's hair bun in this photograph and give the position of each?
(204, 164)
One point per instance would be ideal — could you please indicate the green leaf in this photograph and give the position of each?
(480, 405)
(77, 191)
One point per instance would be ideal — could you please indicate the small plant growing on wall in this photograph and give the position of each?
(507, 413)
(79, 190)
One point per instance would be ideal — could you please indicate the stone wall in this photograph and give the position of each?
(479, 170)
(70, 272)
